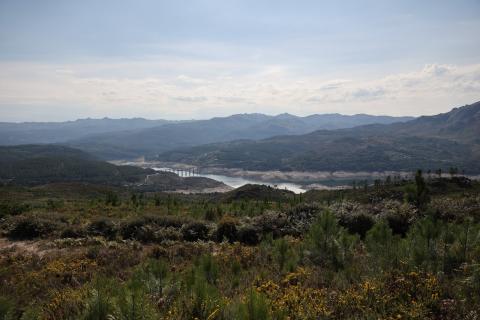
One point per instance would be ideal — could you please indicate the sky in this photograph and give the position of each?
(68, 59)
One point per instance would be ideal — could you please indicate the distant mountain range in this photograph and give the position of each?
(446, 140)
(152, 141)
(260, 142)
(131, 138)
(53, 132)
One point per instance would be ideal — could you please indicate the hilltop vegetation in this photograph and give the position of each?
(442, 141)
(40, 164)
(399, 249)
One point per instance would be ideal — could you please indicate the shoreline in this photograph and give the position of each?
(272, 176)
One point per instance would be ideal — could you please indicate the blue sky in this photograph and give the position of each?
(66, 59)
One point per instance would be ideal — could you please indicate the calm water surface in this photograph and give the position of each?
(236, 182)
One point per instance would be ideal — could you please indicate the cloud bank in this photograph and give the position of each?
(160, 89)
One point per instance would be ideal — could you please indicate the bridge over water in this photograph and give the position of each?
(185, 172)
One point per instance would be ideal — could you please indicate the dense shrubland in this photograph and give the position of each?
(405, 250)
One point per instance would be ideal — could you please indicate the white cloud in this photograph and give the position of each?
(163, 89)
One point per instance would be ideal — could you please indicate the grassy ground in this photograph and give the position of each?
(390, 251)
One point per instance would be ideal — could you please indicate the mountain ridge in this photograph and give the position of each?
(152, 141)
(429, 142)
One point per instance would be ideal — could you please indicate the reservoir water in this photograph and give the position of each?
(236, 182)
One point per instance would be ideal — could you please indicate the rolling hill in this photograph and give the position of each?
(441, 141)
(40, 164)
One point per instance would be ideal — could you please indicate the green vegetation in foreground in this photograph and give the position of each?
(403, 249)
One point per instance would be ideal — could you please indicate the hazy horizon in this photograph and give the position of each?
(208, 118)
(67, 60)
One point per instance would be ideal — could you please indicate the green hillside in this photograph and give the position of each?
(39, 164)
(430, 142)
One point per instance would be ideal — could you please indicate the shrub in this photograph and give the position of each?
(200, 300)
(382, 246)
(227, 229)
(134, 303)
(102, 227)
(194, 231)
(424, 239)
(329, 243)
(145, 234)
(54, 204)
(74, 232)
(254, 308)
(248, 235)
(399, 223)
(283, 254)
(6, 308)
(9, 208)
(31, 226)
(134, 228)
(99, 304)
(112, 199)
(358, 223)
(209, 269)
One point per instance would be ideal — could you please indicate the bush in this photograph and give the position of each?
(248, 235)
(9, 208)
(99, 305)
(30, 227)
(382, 246)
(194, 231)
(330, 244)
(201, 300)
(112, 199)
(255, 308)
(284, 254)
(398, 223)
(102, 227)
(358, 223)
(129, 228)
(74, 232)
(209, 268)
(152, 228)
(6, 308)
(227, 229)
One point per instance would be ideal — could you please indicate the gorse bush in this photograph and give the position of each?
(375, 254)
